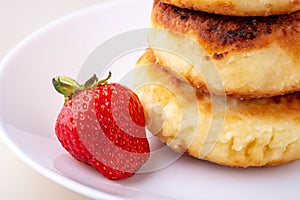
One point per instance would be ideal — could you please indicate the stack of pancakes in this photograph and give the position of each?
(225, 76)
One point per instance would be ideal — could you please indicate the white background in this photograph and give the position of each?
(19, 18)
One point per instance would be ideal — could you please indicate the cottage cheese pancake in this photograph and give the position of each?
(255, 56)
(255, 132)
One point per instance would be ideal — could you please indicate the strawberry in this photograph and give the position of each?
(102, 125)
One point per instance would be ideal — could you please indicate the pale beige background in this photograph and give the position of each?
(18, 18)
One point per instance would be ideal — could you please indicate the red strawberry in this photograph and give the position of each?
(102, 125)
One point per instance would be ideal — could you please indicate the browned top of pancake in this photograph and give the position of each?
(219, 32)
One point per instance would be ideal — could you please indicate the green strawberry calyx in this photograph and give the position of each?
(68, 86)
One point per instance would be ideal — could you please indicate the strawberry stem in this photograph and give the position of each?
(68, 86)
(104, 81)
(65, 86)
(91, 81)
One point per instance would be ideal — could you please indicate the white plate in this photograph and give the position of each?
(29, 106)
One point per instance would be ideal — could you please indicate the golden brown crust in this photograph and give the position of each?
(238, 7)
(256, 132)
(220, 35)
(255, 56)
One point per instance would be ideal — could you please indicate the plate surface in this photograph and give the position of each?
(29, 106)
